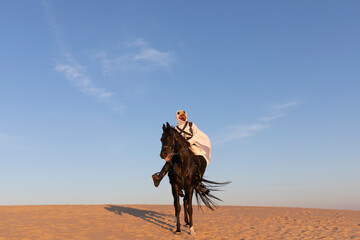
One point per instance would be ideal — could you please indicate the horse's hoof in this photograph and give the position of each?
(192, 231)
(178, 232)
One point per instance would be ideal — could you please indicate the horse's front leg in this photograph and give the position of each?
(175, 192)
(189, 196)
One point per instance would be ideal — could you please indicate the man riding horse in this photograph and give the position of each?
(199, 145)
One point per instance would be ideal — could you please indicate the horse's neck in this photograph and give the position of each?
(184, 161)
(183, 154)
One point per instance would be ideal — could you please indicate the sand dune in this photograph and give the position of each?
(157, 222)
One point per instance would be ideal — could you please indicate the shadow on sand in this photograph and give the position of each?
(153, 217)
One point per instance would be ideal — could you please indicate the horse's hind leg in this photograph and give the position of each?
(175, 192)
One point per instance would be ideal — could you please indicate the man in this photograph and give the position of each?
(199, 144)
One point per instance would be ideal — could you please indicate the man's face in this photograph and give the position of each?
(182, 117)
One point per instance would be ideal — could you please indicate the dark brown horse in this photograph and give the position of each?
(184, 175)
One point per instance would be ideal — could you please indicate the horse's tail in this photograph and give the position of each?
(209, 200)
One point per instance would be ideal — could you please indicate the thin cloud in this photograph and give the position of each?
(153, 55)
(276, 112)
(238, 132)
(150, 54)
(284, 106)
(137, 55)
(73, 71)
(271, 118)
(138, 43)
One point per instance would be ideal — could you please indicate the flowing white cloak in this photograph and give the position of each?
(200, 142)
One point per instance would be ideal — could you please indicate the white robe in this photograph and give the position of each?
(199, 143)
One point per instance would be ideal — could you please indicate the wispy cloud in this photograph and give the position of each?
(278, 110)
(238, 132)
(272, 117)
(243, 131)
(284, 106)
(137, 43)
(137, 55)
(73, 71)
(75, 74)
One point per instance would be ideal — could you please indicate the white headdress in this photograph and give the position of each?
(178, 113)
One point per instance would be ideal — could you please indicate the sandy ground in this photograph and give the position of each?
(157, 222)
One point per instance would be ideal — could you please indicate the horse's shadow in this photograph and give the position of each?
(153, 217)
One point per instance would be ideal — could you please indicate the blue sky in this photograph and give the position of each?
(85, 87)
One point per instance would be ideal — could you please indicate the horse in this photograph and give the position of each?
(184, 175)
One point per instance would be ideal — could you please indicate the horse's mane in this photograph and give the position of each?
(183, 142)
(180, 138)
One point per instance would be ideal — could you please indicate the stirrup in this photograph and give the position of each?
(202, 189)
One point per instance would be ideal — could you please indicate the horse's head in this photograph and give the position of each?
(168, 142)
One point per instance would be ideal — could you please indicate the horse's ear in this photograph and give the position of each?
(163, 126)
(167, 125)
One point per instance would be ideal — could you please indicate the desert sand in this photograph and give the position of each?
(157, 222)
